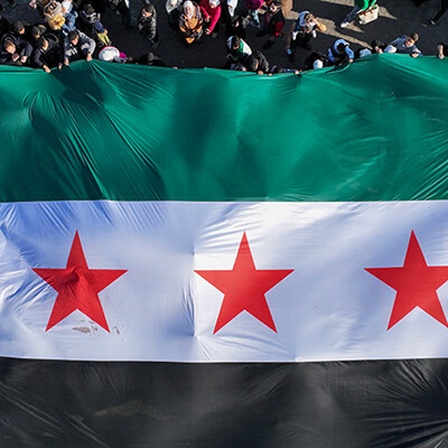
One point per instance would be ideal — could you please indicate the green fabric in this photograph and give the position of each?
(375, 130)
(365, 4)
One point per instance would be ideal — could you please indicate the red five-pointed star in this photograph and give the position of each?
(78, 287)
(244, 288)
(416, 284)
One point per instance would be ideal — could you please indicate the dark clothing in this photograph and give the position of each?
(443, 9)
(26, 35)
(23, 48)
(93, 23)
(85, 46)
(6, 58)
(274, 23)
(150, 59)
(50, 57)
(122, 7)
(4, 25)
(147, 26)
(313, 57)
(256, 63)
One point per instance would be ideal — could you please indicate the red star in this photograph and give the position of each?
(416, 284)
(78, 287)
(244, 288)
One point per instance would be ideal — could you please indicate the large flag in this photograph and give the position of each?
(203, 258)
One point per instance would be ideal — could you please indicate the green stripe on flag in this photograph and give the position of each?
(375, 130)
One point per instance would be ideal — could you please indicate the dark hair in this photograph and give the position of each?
(41, 41)
(72, 35)
(414, 36)
(251, 63)
(37, 31)
(88, 9)
(236, 42)
(18, 26)
(341, 47)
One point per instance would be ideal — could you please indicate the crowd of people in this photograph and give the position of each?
(71, 30)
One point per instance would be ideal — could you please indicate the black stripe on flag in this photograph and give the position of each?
(128, 405)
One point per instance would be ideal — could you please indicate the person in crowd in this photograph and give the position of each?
(53, 15)
(316, 61)
(112, 54)
(93, 26)
(274, 21)
(69, 13)
(122, 6)
(15, 51)
(36, 32)
(237, 52)
(191, 23)
(377, 46)
(211, 10)
(147, 24)
(360, 5)
(173, 10)
(78, 45)
(340, 53)
(149, 59)
(253, 10)
(405, 45)
(228, 15)
(257, 63)
(442, 10)
(305, 29)
(276, 69)
(48, 53)
(21, 29)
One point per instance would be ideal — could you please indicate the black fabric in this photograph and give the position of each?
(347, 404)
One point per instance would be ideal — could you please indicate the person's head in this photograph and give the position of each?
(18, 27)
(273, 7)
(411, 39)
(341, 47)
(252, 63)
(147, 11)
(188, 8)
(309, 18)
(73, 37)
(37, 31)
(88, 9)
(214, 3)
(235, 43)
(42, 43)
(9, 46)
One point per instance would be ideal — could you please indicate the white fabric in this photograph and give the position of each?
(329, 308)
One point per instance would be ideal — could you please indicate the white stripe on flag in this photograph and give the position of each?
(328, 308)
